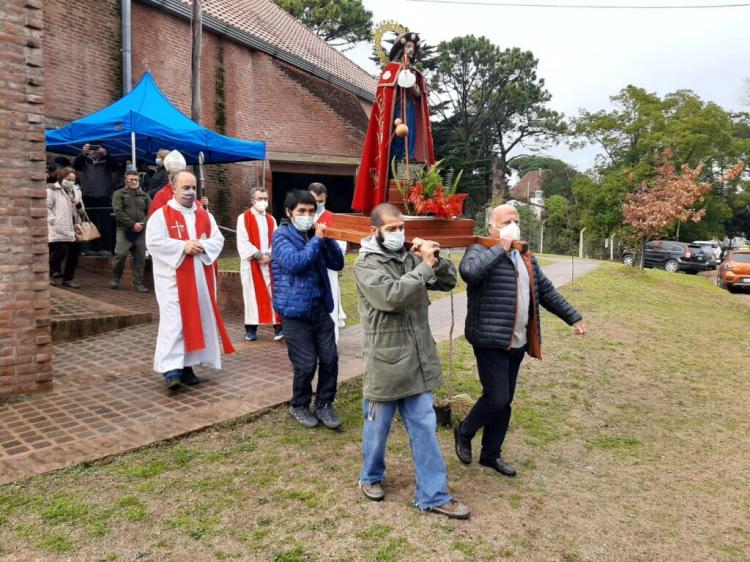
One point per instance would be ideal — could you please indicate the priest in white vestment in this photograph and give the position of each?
(255, 229)
(184, 242)
(320, 192)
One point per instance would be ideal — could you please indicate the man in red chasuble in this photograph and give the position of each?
(255, 228)
(401, 94)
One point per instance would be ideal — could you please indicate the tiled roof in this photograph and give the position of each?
(528, 184)
(263, 25)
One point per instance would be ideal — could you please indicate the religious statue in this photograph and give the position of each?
(399, 125)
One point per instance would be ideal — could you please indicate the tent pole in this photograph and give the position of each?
(132, 150)
(263, 177)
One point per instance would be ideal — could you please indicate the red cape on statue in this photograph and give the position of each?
(372, 178)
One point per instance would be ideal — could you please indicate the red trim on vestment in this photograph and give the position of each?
(187, 287)
(266, 313)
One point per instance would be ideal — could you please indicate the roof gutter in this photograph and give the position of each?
(212, 23)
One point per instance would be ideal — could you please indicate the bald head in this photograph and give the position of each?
(502, 216)
(381, 213)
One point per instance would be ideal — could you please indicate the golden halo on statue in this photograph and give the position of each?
(377, 38)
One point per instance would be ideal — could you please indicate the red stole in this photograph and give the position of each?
(266, 313)
(187, 288)
(326, 218)
(372, 179)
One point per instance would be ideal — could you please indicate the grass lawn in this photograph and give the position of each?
(631, 444)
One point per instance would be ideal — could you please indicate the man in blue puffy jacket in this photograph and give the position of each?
(302, 295)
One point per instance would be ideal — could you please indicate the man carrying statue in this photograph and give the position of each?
(400, 101)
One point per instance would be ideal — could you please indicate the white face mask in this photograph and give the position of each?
(261, 206)
(303, 223)
(511, 231)
(321, 207)
(158, 162)
(394, 241)
(68, 184)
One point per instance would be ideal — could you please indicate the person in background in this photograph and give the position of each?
(174, 162)
(302, 295)
(64, 207)
(160, 178)
(96, 168)
(320, 193)
(130, 205)
(255, 228)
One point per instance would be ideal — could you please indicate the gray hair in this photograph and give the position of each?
(254, 191)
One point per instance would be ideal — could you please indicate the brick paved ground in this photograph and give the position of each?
(107, 400)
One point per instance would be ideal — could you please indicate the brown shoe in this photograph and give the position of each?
(372, 491)
(452, 510)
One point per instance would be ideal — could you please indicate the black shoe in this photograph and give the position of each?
(500, 465)
(303, 416)
(188, 377)
(173, 379)
(114, 283)
(140, 288)
(327, 416)
(463, 447)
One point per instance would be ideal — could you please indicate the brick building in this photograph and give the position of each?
(264, 76)
(25, 342)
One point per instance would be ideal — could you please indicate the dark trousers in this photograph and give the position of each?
(311, 344)
(59, 251)
(498, 373)
(123, 248)
(99, 211)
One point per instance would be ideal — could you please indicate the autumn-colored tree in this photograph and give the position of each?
(671, 196)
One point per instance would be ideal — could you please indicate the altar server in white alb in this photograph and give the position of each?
(320, 192)
(184, 242)
(255, 229)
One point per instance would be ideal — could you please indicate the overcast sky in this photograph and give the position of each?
(586, 56)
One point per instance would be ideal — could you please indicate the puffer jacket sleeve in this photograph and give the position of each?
(390, 294)
(333, 255)
(290, 258)
(445, 276)
(552, 300)
(478, 261)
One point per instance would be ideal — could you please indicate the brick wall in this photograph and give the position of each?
(25, 341)
(264, 98)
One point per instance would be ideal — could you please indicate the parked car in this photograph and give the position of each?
(734, 273)
(672, 256)
(712, 250)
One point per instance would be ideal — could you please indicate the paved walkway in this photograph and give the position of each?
(106, 399)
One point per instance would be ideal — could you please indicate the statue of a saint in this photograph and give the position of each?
(402, 96)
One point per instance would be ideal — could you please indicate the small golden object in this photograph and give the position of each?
(401, 130)
(397, 122)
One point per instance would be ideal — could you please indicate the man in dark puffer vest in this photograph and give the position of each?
(505, 288)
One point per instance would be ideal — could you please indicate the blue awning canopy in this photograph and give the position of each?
(157, 124)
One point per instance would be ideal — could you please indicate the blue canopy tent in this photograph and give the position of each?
(144, 121)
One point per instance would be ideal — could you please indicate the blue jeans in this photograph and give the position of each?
(419, 420)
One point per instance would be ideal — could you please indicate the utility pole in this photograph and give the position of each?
(195, 84)
(195, 69)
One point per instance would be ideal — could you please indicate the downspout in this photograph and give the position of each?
(127, 70)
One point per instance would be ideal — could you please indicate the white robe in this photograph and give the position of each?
(337, 314)
(247, 250)
(168, 253)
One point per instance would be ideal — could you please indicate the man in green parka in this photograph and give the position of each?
(402, 366)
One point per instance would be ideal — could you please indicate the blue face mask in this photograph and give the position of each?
(303, 223)
(394, 241)
(158, 162)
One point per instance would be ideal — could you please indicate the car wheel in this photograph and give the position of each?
(628, 260)
(672, 266)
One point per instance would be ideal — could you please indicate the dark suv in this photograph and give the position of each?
(672, 256)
